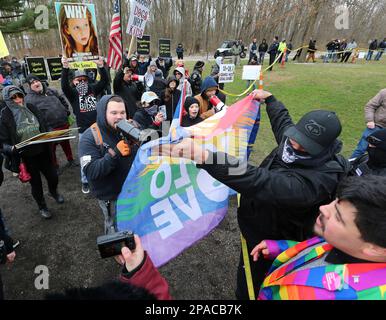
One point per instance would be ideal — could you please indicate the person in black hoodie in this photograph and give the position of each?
(374, 161)
(126, 88)
(18, 122)
(55, 110)
(280, 199)
(106, 158)
(263, 48)
(83, 99)
(195, 78)
(192, 112)
(170, 97)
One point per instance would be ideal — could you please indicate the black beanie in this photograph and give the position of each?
(31, 78)
(188, 102)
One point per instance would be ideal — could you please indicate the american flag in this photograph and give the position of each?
(114, 59)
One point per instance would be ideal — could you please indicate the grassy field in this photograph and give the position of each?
(343, 88)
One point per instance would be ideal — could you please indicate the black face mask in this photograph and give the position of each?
(377, 157)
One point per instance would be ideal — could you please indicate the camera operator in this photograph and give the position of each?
(7, 252)
(105, 157)
(149, 115)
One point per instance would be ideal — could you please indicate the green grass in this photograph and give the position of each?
(344, 89)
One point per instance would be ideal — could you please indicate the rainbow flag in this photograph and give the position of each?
(170, 203)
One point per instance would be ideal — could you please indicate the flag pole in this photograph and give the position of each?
(120, 22)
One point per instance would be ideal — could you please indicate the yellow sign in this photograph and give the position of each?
(3, 47)
(83, 65)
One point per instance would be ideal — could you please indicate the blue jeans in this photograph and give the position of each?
(379, 55)
(328, 56)
(249, 83)
(369, 55)
(83, 177)
(362, 144)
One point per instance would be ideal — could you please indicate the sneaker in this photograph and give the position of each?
(16, 243)
(45, 213)
(58, 198)
(85, 188)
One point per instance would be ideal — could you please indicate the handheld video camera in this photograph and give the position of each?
(110, 245)
(130, 132)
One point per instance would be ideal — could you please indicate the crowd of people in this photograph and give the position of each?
(301, 189)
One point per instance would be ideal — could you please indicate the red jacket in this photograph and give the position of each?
(149, 278)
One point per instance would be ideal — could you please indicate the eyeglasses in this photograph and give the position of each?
(373, 140)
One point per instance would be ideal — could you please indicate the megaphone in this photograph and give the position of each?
(217, 104)
(148, 79)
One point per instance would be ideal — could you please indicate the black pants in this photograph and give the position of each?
(1, 289)
(346, 56)
(41, 163)
(180, 56)
(272, 57)
(259, 270)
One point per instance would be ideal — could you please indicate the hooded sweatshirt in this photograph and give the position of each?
(181, 85)
(53, 107)
(206, 108)
(105, 173)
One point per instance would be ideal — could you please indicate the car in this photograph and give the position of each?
(225, 49)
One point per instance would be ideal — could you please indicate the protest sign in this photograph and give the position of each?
(3, 47)
(139, 14)
(164, 48)
(251, 72)
(51, 136)
(37, 66)
(54, 67)
(143, 45)
(78, 30)
(226, 73)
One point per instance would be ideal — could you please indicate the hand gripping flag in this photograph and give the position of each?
(170, 203)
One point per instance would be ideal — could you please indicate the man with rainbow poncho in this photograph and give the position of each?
(348, 263)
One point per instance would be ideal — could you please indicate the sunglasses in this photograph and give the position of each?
(17, 95)
(373, 140)
(154, 103)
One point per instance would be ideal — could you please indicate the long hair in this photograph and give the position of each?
(69, 43)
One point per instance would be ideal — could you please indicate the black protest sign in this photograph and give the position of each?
(37, 66)
(54, 67)
(164, 48)
(143, 45)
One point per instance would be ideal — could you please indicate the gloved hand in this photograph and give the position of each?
(122, 148)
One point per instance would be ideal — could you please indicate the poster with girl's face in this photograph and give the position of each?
(78, 30)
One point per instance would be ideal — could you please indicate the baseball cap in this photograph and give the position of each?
(31, 78)
(80, 73)
(148, 97)
(315, 131)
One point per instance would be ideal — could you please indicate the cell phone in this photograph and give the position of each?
(162, 109)
(110, 245)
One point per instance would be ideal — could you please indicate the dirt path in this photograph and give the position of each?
(66, 244)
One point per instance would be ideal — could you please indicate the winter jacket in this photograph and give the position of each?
(84, 106)
(302, 271)
(106, 170)
(147, 276)
(9, 138)
(128, 91)
(206, 108)
(165, 68)
(330, 46)
(375, 109)
(181, 84)
(373, 45)
(196, 81)
(145, 120)
(142, 67)
(51, 104)
(171, 104)
(279, 200)
(186, 121)
(263, 47)
(273, 48)
(159, 84)
(179, 49)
